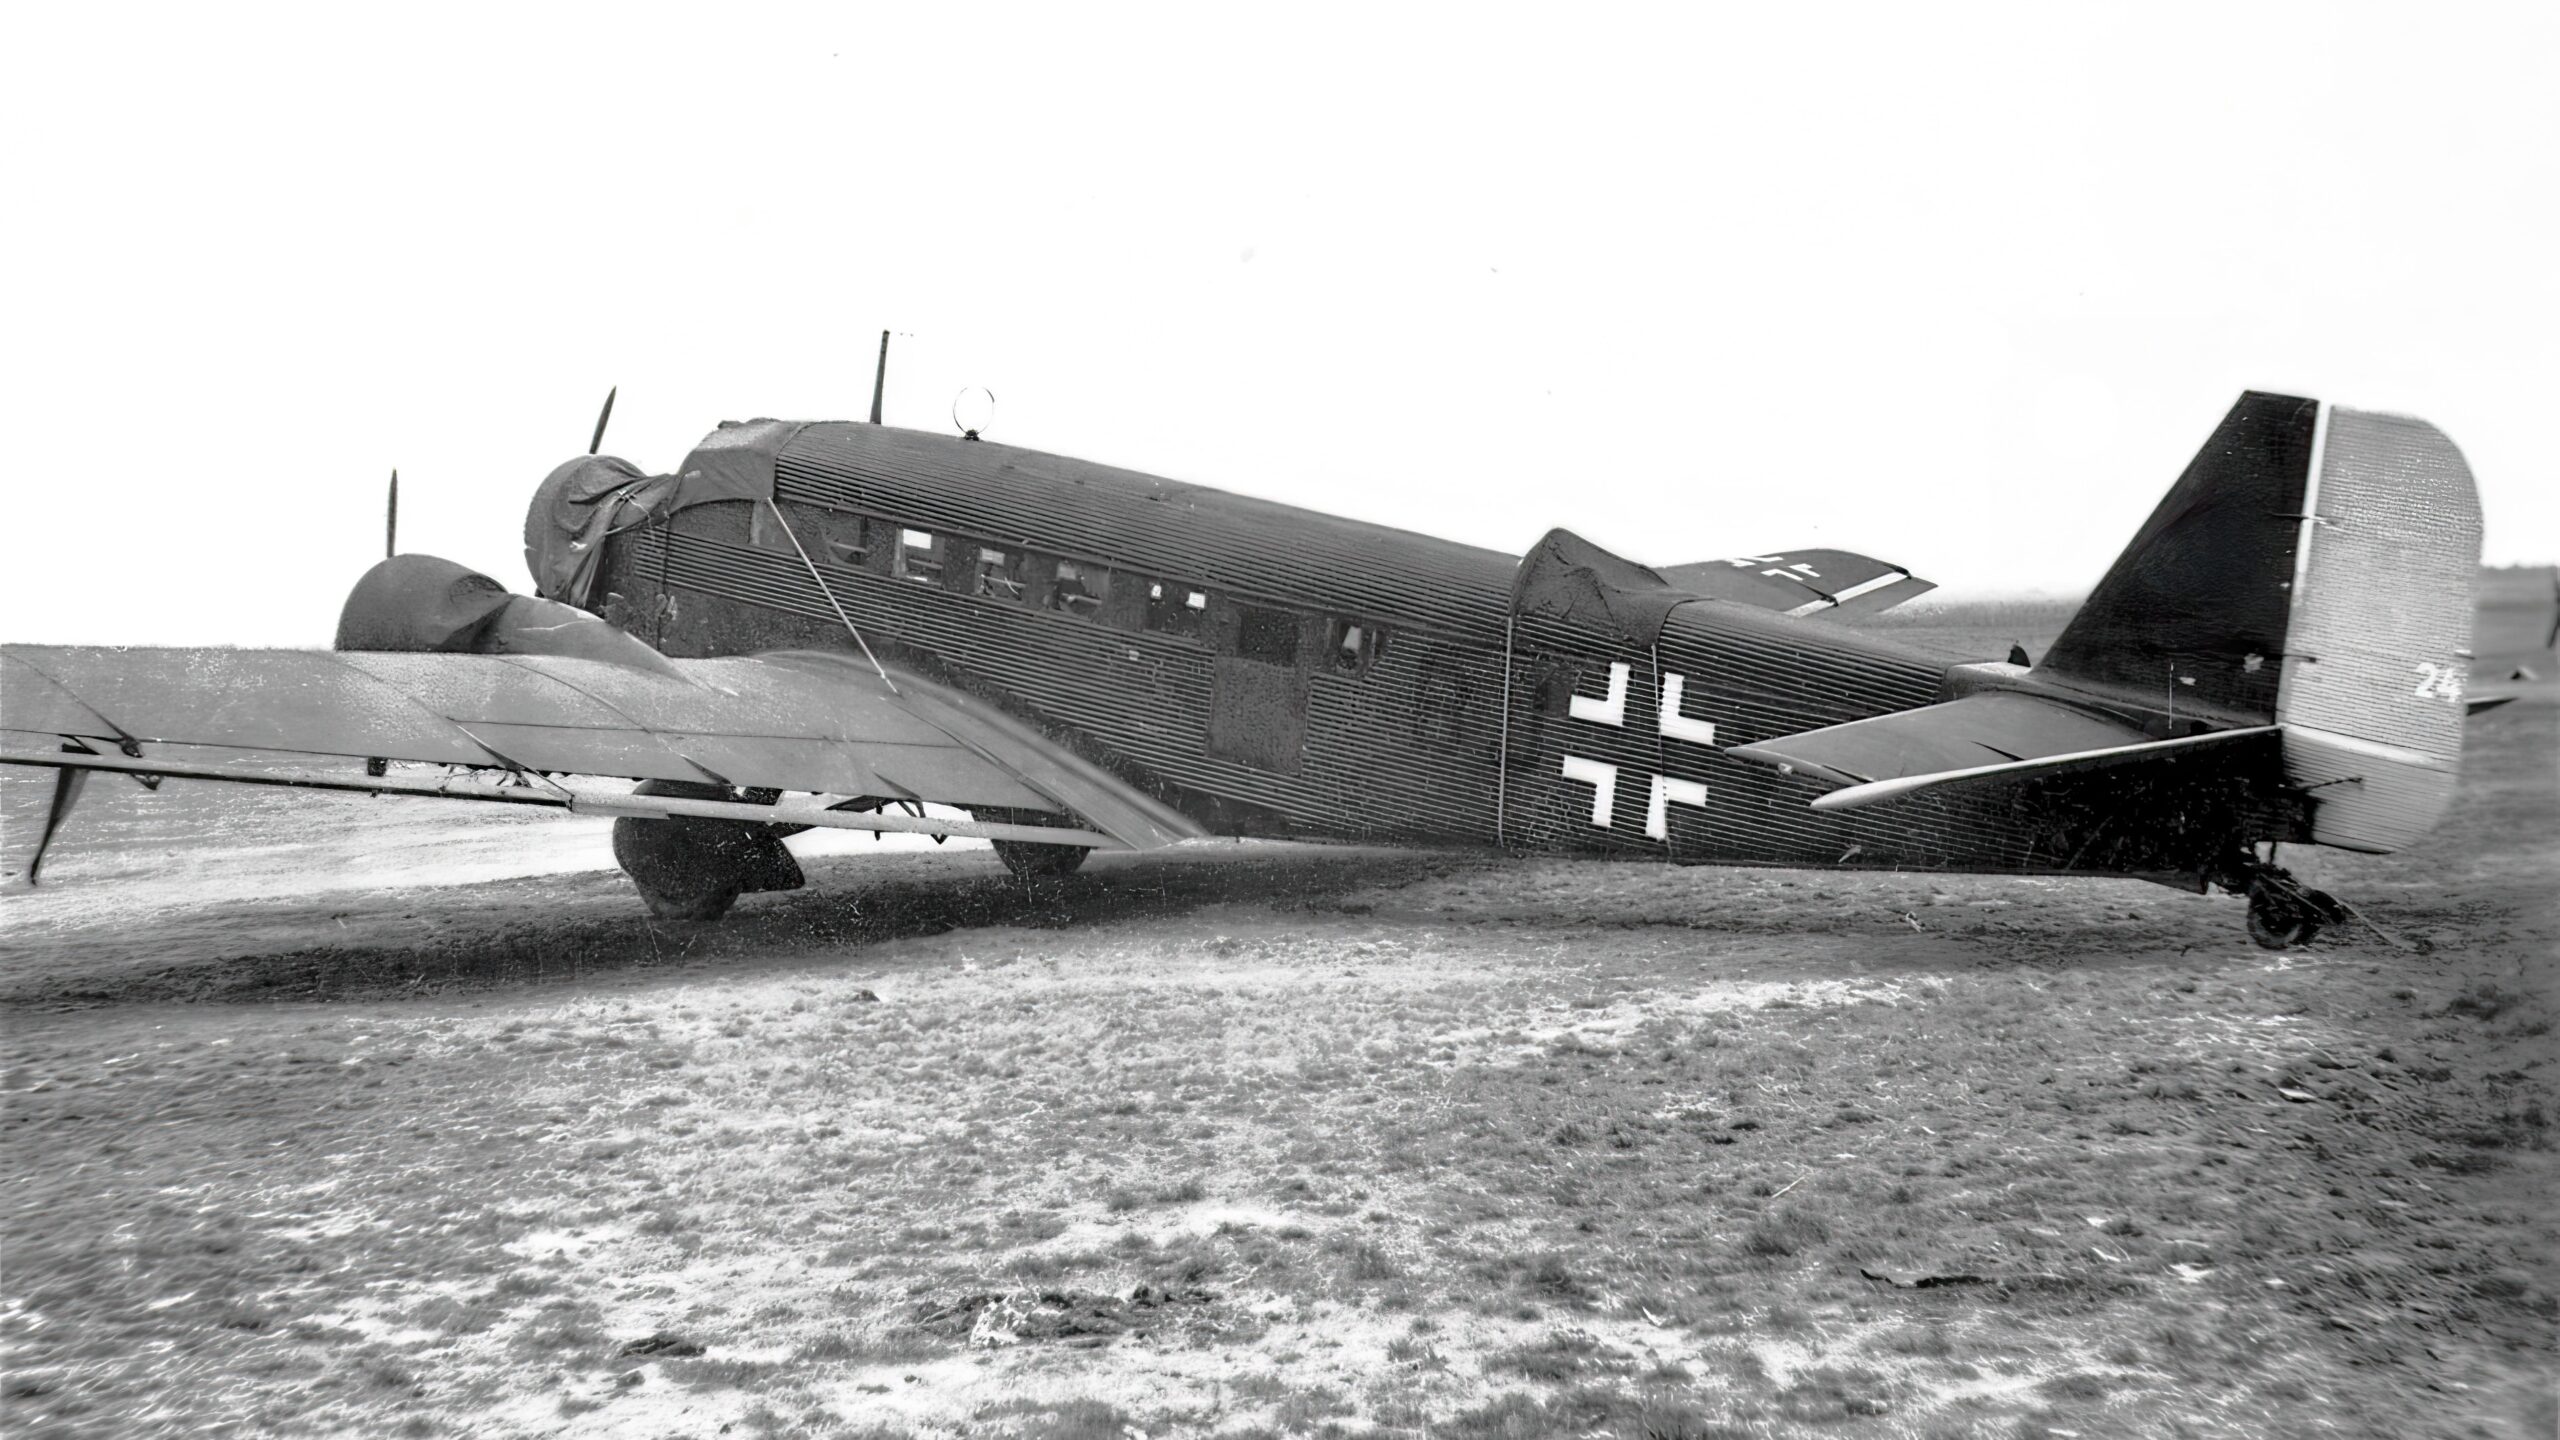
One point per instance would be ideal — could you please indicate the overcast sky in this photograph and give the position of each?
(1961, 287)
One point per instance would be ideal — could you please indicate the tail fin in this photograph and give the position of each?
(2193, 614)
(2312, 568)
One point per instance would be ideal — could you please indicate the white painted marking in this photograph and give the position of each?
(1612, 711)
(1657, 810)
(1676, 725)
(1799, 579)
(1602, 777)
(1864, 586)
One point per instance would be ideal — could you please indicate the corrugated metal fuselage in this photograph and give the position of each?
(1276, 672)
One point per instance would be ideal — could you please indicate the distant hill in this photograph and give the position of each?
(2518, 604)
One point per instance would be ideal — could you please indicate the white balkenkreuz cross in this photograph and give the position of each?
(1602, 776)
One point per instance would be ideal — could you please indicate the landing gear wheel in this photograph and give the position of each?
(674, 881)
(1031, 861)
(693, 868)
(2283, 915)
(705, 904)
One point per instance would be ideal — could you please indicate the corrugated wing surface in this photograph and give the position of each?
(814, 723)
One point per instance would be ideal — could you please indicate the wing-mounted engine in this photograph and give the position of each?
(422, 603)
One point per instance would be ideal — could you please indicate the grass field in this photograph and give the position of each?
(1268, 1140)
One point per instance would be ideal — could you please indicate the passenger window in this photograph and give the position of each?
(999, 575)
(1079, 589)
(1175, 609)
(1355, 646)
(920, 556)
(848, 539)
(1270, 636)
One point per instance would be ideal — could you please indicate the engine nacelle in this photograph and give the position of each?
(686, 867)
(423, 602)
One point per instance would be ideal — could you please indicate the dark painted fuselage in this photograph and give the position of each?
(1276, 672)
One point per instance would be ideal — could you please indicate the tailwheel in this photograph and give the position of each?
(1030, 861)
(2282, 915)
(2284, 912)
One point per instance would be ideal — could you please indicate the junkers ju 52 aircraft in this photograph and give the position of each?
(831, 624)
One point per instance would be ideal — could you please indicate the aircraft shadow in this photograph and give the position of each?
(504, 934)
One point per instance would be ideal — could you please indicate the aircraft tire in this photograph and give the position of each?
(676, 880)
(2281, 917)
(1030, 861)
(693, 869)
(700, 905)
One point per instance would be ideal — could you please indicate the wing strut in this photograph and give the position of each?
(829, 591)
(579, 802)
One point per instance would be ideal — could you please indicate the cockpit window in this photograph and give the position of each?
(848, 539)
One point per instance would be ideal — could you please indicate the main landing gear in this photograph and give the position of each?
(2283, 912)
(688, 868)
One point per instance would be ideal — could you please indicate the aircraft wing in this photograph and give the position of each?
(802, 721)
(1995, 736)
(1824, 584)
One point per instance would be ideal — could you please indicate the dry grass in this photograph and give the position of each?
(1314, 1144)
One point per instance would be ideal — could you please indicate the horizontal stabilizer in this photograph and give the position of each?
(1823, 584)
(1997, 736)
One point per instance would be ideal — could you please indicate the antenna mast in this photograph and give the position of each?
(880, 377)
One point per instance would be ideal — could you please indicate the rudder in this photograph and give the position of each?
(2371, 695)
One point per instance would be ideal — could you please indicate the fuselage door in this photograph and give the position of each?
(1258, 705)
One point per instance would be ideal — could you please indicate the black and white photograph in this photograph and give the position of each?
(1118, 722)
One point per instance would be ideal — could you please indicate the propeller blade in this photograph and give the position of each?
(67, 785)
(391, 519)
(598, 443)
